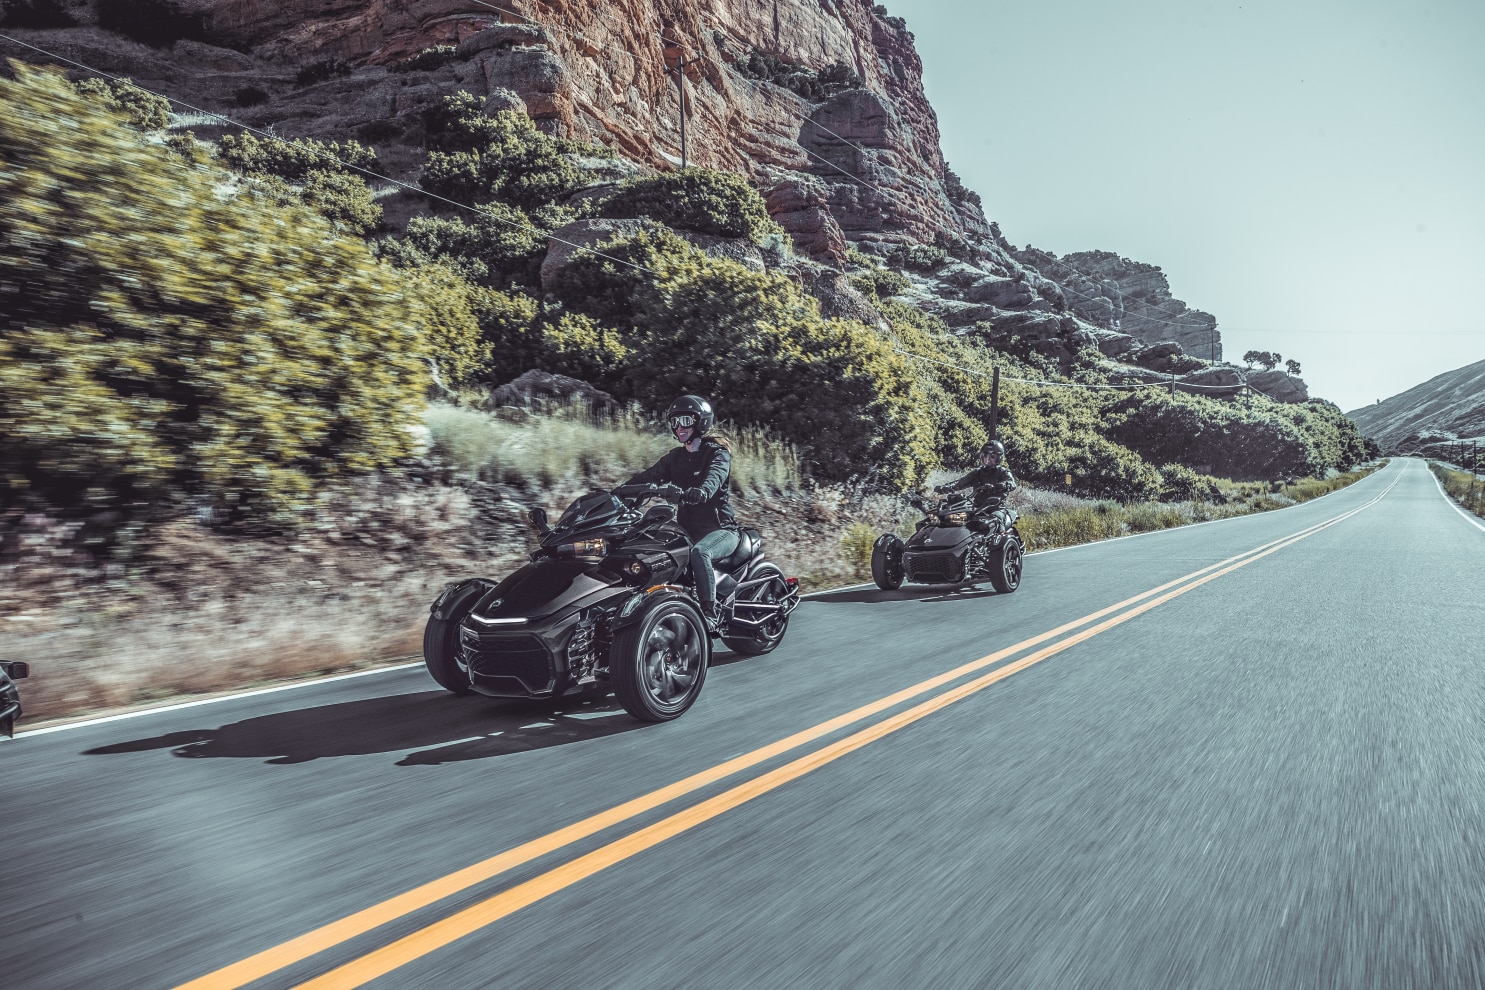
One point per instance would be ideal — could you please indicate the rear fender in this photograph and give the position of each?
(458, 597)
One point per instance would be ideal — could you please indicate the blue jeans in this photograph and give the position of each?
(713, 546)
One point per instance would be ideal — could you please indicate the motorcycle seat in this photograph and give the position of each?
(749, 545)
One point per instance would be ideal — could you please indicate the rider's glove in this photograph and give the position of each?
(693, 496)
(941, 489)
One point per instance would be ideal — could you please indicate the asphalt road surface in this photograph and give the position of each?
(1241, 754)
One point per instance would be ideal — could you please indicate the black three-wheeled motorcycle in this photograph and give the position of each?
(605, 603)
(953, 545)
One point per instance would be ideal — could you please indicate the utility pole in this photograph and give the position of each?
(995, 402)
(681, 74)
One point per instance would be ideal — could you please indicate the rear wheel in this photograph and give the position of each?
(886, 562)
(761, 639)
(440, 641)
(1005, 565)
(658, 665)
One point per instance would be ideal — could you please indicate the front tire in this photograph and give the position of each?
(771, 633)
(658, 665)
(440, 641)
(886, 562)
(1005, 565)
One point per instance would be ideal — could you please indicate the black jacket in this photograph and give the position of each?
(990, 484)
(707, 469)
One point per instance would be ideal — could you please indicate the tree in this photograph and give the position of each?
(1252, 358)
(1292, 366)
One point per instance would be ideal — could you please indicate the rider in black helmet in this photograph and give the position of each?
(701, 465)
(992, 480)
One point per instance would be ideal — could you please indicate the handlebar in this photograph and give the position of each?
(638, 493)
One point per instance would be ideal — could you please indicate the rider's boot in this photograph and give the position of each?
(711, 615)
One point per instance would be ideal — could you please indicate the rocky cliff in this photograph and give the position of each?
(1132, 297)
(819, 102)
(1447, 407)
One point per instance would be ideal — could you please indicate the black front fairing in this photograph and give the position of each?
(955, 538)
(544, 587)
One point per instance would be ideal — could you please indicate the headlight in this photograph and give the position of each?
(956, 519)
(582, 548)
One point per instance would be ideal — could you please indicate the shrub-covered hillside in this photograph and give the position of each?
(229, 323)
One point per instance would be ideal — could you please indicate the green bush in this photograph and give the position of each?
(142, 110)
(477, 157)
(1181, 484)
(701, 199)
(294, 160)
(1237, 440)
(343, 199)
(760, 350)
(856, 544)
(162, 338)
(918, 257)
(322, 71)
(428, 59)
(873, 279)
(499, 246)
(811, 84)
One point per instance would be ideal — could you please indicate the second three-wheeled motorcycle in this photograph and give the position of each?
(953, 544)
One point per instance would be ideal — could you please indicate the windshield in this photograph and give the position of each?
(593, 509)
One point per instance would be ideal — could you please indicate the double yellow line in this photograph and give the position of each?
(419, 943)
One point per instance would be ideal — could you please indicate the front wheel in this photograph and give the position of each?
(886, 562)
(761, 639)
(658, 665)
(440, 640)
(1005, 565)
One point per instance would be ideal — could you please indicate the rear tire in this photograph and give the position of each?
(658, 665)
(1005, 565)
(886, 562)
(440, 640)
(771, 633)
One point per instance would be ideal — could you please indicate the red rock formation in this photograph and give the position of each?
(862, 165)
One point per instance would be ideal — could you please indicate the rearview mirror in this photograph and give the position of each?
(539, 518)
(18, 670)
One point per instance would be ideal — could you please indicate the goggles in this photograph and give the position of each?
(676, 422)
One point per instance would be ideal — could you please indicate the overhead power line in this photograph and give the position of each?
(325, 155)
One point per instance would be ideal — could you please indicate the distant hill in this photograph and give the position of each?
(1448, 406)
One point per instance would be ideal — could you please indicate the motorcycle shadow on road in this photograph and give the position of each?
(429, 728)
(921, 593)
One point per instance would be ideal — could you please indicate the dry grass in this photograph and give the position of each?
(515, 447)
(1070, 525)
(1465, 488)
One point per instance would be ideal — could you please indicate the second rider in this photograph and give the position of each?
(702, 466)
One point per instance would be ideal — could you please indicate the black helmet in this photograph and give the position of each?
(995, 449)
(691, 410)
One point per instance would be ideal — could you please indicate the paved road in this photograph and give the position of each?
(1269, 774)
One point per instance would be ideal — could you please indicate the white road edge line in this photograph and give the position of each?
(28, 733)
(1455, 505)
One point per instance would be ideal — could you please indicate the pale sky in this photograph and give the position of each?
(1311, 172)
